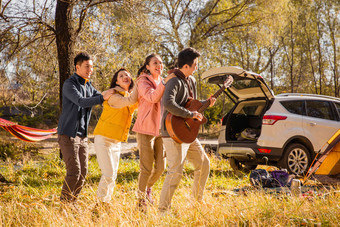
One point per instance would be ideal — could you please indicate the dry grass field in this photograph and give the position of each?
(31, 199)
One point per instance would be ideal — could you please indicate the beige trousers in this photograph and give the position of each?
(176, 154)
(152, 160)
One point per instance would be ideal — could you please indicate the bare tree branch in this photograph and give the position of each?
(3, 10)
(208, 33)
(208, 13)
(84, 11)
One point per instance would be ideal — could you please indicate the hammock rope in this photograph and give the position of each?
(26, 133)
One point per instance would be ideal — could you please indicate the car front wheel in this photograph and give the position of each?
(296, 159)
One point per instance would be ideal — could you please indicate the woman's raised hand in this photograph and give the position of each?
(107, 94)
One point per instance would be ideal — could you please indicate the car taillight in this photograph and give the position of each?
(272, 119)
(262, 150)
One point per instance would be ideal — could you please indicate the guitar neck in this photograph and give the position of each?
(206, 105)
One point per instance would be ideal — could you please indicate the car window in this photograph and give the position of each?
(319, 109)
(337, 106)
(254, 108)
(295, 107)
(245, 83)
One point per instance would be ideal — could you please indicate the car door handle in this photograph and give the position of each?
(312, 123)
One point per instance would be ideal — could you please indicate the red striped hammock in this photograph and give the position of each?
(26, 133)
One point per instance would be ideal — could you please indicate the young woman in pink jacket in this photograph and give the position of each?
(150, 87)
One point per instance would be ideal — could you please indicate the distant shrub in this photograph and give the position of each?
(15, 151)
(44, 116)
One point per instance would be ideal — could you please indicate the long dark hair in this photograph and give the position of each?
(115, 77)
(146, 62)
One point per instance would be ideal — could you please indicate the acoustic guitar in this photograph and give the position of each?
(185, 130)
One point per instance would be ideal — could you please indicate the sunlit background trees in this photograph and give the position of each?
(293, 44)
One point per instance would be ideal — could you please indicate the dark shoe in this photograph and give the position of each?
(149, 196)
(142, 205)
(76, 208)
(71, 206)
(3, 180)
(96, 210)
(103, 206)
(67, 198)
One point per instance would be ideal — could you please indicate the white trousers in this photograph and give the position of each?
(108, 154)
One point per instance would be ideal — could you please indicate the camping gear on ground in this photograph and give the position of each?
(276, 178)
(304, 192)
(26, 133)
(260, 178)
(282, 177)
(327, 160)
(295, 187)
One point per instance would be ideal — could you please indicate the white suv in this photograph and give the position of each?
(285, 130)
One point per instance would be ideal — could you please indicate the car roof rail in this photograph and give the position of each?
(309, 95)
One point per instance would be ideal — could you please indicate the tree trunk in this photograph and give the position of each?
(335, 60)
(335, 69)
(65, 38)
(310, 58)
(271, 70)
(320, 58)
(292, 58)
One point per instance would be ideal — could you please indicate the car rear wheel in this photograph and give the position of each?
(296, 159)
(240, 166)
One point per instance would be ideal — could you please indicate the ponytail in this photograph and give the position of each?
(142, 70)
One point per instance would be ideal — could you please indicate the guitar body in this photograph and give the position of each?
(184, 130)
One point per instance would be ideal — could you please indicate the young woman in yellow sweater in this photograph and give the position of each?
(112, 128)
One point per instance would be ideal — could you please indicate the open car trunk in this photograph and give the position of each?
(252, 97)
(244, 121)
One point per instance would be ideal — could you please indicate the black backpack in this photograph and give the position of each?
(261, 178)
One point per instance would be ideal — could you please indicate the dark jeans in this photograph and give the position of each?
(75, 155)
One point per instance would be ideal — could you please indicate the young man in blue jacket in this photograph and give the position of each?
(78, 98)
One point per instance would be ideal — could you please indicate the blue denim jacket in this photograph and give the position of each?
(77, 95)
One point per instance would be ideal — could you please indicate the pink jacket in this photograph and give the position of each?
(149, 105)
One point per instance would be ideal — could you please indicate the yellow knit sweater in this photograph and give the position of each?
(116, 117)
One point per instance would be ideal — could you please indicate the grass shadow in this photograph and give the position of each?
(127, 176)
(213, 172)
(222, 173)
(124, 177)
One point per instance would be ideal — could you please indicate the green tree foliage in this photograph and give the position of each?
(303, 59)
(293, 44)
(123, 39)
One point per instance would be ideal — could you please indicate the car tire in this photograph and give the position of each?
(238, 166)
(296, 159)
